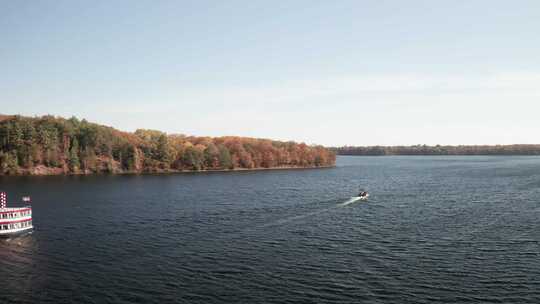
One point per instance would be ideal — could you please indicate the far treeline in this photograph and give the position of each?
(440, 150)
(53, 145)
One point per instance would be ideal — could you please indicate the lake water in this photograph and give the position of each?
(439, 229)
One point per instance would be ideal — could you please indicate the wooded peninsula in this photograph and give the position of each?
(439, 150)
(53, 145)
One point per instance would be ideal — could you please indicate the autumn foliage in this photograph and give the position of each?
(52, 145)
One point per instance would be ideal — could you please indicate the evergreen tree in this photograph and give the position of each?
(89, 160)
(9, 163)
(162, 149)
(74, 163)
(225, 161)
(211, 156)
(193, 159)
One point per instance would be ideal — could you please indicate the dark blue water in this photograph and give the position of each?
(435, 230)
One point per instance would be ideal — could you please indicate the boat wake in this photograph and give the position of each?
(350, 201)
(309, 214)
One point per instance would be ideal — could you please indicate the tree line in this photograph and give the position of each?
(54, 145)
(440, 150)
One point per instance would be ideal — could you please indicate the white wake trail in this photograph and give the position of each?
(313, 213)
(349, 201)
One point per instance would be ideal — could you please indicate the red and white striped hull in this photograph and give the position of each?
(15, 221)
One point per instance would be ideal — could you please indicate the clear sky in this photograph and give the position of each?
(326, 72)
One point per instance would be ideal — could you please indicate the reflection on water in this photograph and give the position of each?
(17, 258)
(18, 248)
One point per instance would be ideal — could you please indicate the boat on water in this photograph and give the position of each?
(14, 221)
(363, 195)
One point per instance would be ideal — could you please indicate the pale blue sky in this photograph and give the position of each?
(326, 72)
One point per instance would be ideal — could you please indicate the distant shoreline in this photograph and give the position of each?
(438, 150)
(413, 155)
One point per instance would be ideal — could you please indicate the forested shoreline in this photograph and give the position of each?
(51, 145)
(439, 150)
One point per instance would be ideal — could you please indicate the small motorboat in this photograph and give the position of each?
(363, 195)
